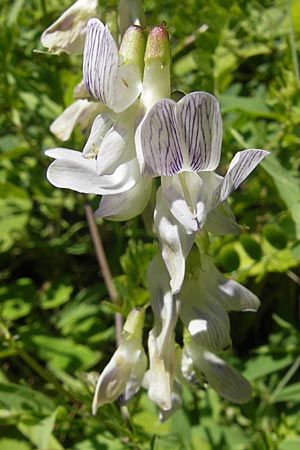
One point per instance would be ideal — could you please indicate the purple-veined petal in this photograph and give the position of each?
(199, 120)
(241, 166)
(219, 375)
(158, 141)
(180, 137)
(128, 204)
(174, 241)
(231, 295)
(100, 62)
(71, 170)
(203, 315)
(224, 379)
(115, 84)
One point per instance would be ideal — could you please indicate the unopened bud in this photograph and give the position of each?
(156, 81)
(132, 48)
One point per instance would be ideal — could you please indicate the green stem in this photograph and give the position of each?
(293, 45)
(283, 382)
(32, 363)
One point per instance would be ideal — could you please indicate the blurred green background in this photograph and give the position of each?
(56, 324)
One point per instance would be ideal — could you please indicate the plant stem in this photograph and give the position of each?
(293, 45)
(104, 267)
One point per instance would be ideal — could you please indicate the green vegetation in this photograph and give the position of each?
(56, 323)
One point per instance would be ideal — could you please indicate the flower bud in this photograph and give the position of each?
(123, 375)
(156, 81)
(132, 48)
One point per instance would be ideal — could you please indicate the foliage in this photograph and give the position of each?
(57, 329)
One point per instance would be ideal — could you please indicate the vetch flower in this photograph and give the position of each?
(123, 375)
(111, 138)
(67, 33)
(202, 366)
(181, 142)
(118, 144)
(205, 298)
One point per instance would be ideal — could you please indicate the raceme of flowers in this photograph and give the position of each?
(139, 133)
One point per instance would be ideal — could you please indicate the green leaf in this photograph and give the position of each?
(23, 398)
(254, 106)
(287, 183)
(16, 300)
(14, 444)
(264, 365)
(100, 442)
(15, 213)
(290, 393)
(40, 433)
(56, 295)
(290, 443)
(64, 353)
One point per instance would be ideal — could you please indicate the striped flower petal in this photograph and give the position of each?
(219, 375)
(203, 315)
(183, 136)
(241, 166)
(199, 119)
(113, 84)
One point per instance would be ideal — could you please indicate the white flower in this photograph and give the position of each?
(201, 366)
(67, 33)
(123, 375)
(206, 297)
(182, 143)
(116, 78)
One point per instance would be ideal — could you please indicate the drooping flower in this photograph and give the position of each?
(67, 33)
(205, 299)
(203, 304)
(200, 366)
(123, 375)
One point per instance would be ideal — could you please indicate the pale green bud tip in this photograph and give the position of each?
(133, 45)
(134, 323)
(158, 45)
